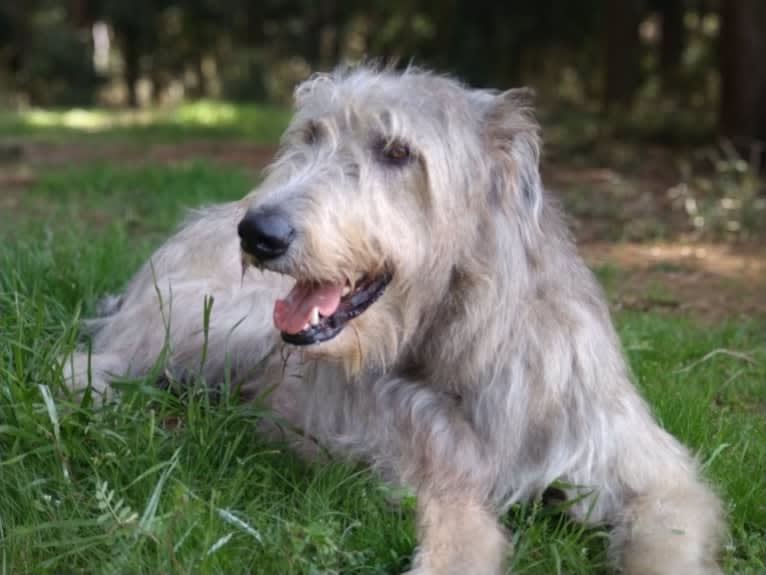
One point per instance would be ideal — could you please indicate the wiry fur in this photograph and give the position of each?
(489, 368)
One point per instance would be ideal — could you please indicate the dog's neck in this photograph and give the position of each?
(523, 272)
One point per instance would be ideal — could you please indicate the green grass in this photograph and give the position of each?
(206, 118)
(169, 483)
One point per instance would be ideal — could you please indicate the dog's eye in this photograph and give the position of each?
(396, 153)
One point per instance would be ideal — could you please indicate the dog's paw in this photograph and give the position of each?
(81, 372)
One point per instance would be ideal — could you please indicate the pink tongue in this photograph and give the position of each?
(293, 312)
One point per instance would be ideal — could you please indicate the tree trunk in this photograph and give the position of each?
(312, 34)
(743, 71)
(622, 63)
(132, 55)
(672, 46)
(78, 10)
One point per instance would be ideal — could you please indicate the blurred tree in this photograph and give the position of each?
(14, 25)
(743, 71)
(248, 49)
(148, 38)
(203, 24)
(44, 55)
(672, 42)
(136, 28)
(622, 72)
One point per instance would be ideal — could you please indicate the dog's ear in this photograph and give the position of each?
(315, 82)
(512, 136)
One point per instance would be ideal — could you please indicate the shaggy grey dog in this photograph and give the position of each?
(406, 287)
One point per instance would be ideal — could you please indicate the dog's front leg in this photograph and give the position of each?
(457, 534)
(423, 437)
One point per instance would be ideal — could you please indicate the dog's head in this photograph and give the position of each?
(386, 184)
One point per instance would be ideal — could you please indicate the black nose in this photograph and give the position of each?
(266, 234)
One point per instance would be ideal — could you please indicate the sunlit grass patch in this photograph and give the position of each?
(202, 118)
(74, 119)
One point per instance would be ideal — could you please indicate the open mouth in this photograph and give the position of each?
(318, 311)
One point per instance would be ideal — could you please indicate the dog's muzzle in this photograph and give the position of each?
(314, 311)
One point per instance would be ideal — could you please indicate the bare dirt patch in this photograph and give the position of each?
(711, 282)
(250, 156)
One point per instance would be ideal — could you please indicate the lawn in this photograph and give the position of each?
(208, 118)
(165, 482)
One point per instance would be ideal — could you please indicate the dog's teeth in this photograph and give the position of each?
(305, 327)
(346, 290)
(314, 316)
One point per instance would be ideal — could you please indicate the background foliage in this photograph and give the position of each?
(697, 60)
